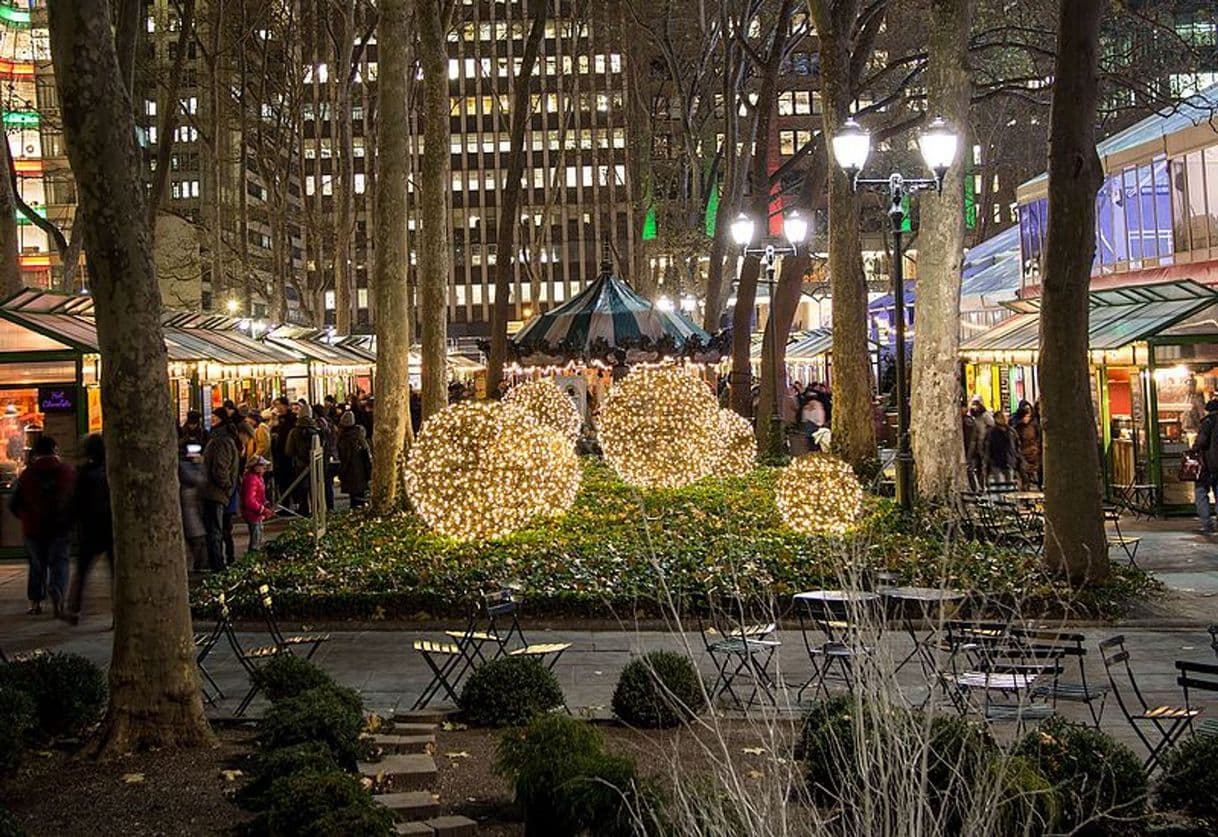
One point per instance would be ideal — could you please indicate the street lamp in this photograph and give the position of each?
(852, 147)
(795, 228)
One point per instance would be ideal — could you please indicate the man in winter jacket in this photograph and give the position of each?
(42, 501)
(1205, 446)
(221, 471)
(355, 460)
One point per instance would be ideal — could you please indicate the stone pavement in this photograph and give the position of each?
(380, 663)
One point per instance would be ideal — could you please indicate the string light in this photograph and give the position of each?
(737, 447)
(819, 494)
(482, 469)
(542, 399)
(660, 427)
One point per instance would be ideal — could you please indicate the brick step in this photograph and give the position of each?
(408, 772)
(409, 806)
(440, 827)
(411, 729)
(423, 716)
(393, 744)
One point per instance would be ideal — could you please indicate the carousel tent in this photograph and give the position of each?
(606, 317)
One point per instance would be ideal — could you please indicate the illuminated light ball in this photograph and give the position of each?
(818, 494)
(659, 428)
(550, 406)
(737, 445)
(482, 469)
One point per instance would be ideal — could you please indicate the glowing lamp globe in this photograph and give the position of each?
(550, 406)
(737, 445)
(851, 146)
(480, 470)
(818, 494)
(659, 428)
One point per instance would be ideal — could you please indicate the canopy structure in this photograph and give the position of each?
(604, 319)
(1118, 317)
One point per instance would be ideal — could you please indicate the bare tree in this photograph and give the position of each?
(1075, 544)
(392, 431)
(937, 445)
(154, 692)
(509, 196)
(435, 253)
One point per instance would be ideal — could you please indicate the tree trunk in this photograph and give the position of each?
(10, 265)
(344, 165)
(509, 196)
(435, 251)
(1075, 544)
(938, 447)
(853, 425)
(392, 431)
(154, 692)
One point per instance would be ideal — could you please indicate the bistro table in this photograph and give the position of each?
(925, 600)
(830, 612)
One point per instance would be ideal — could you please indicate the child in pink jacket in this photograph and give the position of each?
(255, 509)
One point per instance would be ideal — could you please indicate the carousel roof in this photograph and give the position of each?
(605, 317)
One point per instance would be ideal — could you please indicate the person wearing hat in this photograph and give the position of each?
(354, 460)
(982, 424)
(1205, 447)
(255, 510)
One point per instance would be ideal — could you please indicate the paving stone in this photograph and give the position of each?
(423, 716)
(419, 828)
(410, 772)
(413, 729)
(401, 744)
(453, 826)
(409, 806)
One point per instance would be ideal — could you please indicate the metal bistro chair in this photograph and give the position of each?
(1201, 677)
(287, 642)
(739, 645)
(1116, 539)
(1071, 646)
(833, 626)
(485, 626)
(1168, 721)
(1003, 670)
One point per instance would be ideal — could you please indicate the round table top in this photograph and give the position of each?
(836, 596)
(922, 594)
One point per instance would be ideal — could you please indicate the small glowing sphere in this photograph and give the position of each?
(659, 428)
(818, 494)
(737, 446)
(550, 406)
(480, 470)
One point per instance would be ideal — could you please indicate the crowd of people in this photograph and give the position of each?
(1001, 449)
(256, 465)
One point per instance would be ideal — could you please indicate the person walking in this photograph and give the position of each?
(982, 422)
(299, 450)
(1027, 430)
(42, 501)
(1205, 447)
(328, 433)
(255, 510)
(192, 432)
(354, 460)
(95, 532)
(1001, 451)
(221, 470)
(190, 487)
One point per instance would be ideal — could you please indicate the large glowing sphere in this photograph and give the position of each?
(737, 445)
(818, 494)
(480, 470)
(659, 428)
(550, 406)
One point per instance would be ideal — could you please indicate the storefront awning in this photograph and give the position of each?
(1118, 317)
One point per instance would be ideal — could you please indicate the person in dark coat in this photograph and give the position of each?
(190, 486)
(95, 533)
(281, 463)
(1205, 446)
(221, 471)
(354, 460)
(42, 501)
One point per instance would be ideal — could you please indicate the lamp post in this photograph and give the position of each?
(795, 228)
(852, 147)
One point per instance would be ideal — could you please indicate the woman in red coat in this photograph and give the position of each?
(255, 510)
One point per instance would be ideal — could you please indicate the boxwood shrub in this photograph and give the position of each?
(1100, 784)
(509, 691)
(1188, 781)
(331, 716)
(659, 689)
(287, 675)
(9, 826)
(565, 782)
(281, 762)
(323, 803)
(17, 718)
(68, 691)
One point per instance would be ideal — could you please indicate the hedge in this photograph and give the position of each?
(608, 554)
